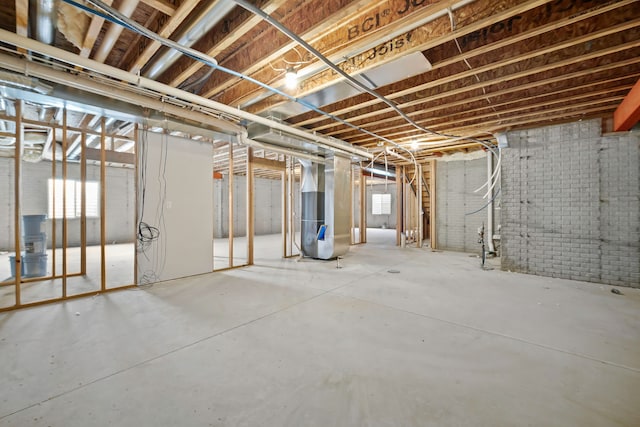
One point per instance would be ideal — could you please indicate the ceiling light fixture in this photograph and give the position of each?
(415, 145)
(291, 78)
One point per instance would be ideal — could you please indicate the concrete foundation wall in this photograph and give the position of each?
(120, 207)
(571, 204)
(268, 206)
(456, 181)
(381, 221)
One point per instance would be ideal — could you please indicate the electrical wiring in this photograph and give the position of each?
(114, 16)
(148, 235)
(354, 82)
(486, 205)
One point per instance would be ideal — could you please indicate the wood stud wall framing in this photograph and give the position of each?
(56, 274)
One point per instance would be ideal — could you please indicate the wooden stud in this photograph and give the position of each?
(65, 230)
(399, 198)
(432, 205)
(250, 206)
(353, 206)
(136, 181)
(419, 209)
(103, 204)
(363, 207)
(230, 185)
(283, 206)
(54, 220)
(17, 181)
(83, 207)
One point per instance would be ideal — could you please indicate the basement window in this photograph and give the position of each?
(73, 207)
(381, 204)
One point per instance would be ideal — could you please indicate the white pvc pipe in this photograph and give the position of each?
(126, 8)
(162, 88)
(91, 86)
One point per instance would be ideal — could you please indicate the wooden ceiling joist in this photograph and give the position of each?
(521, 60)
(148, 48)
(479, 15)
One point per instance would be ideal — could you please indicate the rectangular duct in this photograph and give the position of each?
(326, 207)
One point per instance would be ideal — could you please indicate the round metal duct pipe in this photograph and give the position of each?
(199, 26)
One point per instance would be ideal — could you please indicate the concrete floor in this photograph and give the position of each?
(302, 343)
(119, 272)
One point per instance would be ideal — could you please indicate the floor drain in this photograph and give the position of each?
(393, 271)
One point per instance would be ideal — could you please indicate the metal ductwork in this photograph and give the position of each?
(197, 28)
(325, 207)
(43, 26)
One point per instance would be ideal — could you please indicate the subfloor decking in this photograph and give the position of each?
(440, 342)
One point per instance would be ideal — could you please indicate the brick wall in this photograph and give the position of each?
(456, 180)
(571, 204)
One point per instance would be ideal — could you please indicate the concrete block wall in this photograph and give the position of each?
(571, 203)
(268, 206)
(381, 221)
(456, 181)
(120, 207)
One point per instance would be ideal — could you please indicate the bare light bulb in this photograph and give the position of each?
(415, 145)
(291, 78)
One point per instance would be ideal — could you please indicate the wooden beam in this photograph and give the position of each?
(22, 18)
(496, 118)
(92, 33)
(526, 69)
(110, 156)
(517, 94)
(161, 5)
(376, 25)
(219, 39)
(406, 131)
(273, 46)
(628, 113)
(261, 163)
(155, 20)
(176, 19)
(481, 14)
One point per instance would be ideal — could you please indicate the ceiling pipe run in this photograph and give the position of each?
(95, 95)
(356, 83)
(197, 28)
(113, 33)
(44, 27)
(117, 17)
(143, 82)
